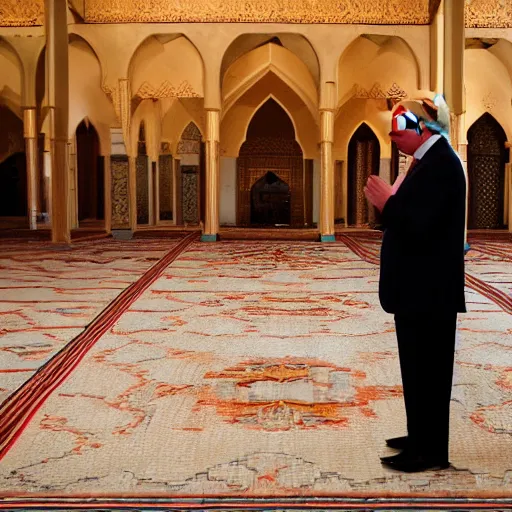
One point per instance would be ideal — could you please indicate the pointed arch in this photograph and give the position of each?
(90, 174)
(363, 161)
(166, 66)
(87, 99)
(257, 110)
(252, 67)
(270, 142)
(235, 122)
(12, 78)
(370, 66)
(296, 43)
(13, 175)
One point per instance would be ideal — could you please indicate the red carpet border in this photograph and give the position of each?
(17, 411)
(497, 296)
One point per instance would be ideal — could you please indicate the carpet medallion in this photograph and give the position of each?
(241, 371)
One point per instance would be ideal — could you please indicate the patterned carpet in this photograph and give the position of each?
(234, 369)
(49, 295)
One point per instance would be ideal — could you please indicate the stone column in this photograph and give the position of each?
(30, 133)
(211, 225)
(453, 81)
(327, 165)
(47, 175)
(58, 102)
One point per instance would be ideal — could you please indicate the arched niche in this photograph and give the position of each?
(270, 146)
(90, 175)
(487, 156)
(363, 161)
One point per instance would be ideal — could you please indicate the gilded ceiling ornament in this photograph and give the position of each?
(388, 12)
(395, 92)
(21, 13)
(166, 90)
(489, 13)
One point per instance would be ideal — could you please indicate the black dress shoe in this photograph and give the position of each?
(397, 443)
(414, 463)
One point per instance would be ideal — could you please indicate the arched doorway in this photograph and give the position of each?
(487, 156)
(13, 171)
(90, 176)
(270, 201)
(270, 171)
(363, 160)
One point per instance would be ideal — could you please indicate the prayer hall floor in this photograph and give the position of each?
(174, 370)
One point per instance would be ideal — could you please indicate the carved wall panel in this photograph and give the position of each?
(280, 156)
(142, 190)
(479, 13)
(21, 13)
(166, 90)
(165, 186)
(120, 199)
(190, 194)
(190, 142)
(416, 12)
(489, 13)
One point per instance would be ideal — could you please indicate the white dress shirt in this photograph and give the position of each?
(420, 152)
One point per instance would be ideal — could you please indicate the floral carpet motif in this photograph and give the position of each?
(266, 369)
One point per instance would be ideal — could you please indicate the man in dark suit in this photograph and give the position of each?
(422, 276)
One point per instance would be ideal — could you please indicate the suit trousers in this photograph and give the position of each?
(426, 346)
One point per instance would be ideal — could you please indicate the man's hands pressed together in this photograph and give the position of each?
(378, 192)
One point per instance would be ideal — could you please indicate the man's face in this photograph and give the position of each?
(407, 141)
(406, 130)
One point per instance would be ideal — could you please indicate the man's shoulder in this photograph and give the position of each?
(442, 150)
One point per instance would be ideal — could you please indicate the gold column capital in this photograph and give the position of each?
(326, 125)
(328, 96)
(29, 123)
(213, 125)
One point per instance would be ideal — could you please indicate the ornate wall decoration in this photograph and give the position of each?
(486, 173)
(142, 190)
(165, 186)
(165, 148)
(191, 132)
(489, 101)
(120, 200)
(489, 13)
(190, 143)
(166, 90)
(395, 92)
(18, 13)
(388, 12)
(188, 147)
(190, 194)
(281, 156)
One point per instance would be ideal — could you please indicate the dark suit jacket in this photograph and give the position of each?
(422, 255)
